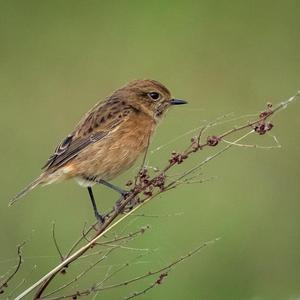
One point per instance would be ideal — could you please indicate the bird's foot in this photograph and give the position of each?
(100, 218)
(124, 195)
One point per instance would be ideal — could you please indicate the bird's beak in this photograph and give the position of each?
(177, 101)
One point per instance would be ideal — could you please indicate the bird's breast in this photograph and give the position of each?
(116, 152)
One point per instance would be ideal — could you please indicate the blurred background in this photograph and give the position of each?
(57, 58)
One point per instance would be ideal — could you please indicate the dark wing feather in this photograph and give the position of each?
(60, 149)
(70, 148)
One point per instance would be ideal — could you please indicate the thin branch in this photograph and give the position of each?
(277, 144)
(4, 284)
(124, 237)
(80, 275)
(122, 267)
(55, 242)
(150, 287)
(158, 216)
(77, 242)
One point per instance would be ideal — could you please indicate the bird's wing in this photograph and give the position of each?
(96, 124)
(70, 148)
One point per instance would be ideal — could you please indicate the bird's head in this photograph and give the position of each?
(148, 96)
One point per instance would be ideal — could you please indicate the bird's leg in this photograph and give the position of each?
(113, 187)
(98, 216)
(122, 192)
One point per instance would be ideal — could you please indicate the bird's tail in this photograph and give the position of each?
(27, 189)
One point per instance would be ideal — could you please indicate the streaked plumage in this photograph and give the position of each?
(110, 137)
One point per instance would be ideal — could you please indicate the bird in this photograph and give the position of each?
(108, 140)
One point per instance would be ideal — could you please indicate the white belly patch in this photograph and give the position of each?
(83, 182)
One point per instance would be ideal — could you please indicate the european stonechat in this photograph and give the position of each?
(108, 139)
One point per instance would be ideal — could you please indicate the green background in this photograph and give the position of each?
(57, 58)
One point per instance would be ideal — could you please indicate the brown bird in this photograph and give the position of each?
(109, 138)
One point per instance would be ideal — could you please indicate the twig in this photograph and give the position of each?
(125, 237)
(55, 242)
(277, 144)
(158, 216)
(4, 284)
(80, 275)
(80, 239)
(150, 287)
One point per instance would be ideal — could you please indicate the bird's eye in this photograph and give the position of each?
(154, 95)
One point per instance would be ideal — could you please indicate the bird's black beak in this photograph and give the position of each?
(177, 101)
